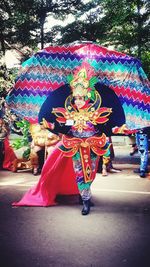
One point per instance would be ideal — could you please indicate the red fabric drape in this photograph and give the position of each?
(9, 155)
(57, 178)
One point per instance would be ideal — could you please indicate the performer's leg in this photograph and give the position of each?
(134, 149)
(100, 163)
(41, 155)
(34, 162)
(84, 188)
(142, 143)
(110, 167)
(111, 148)
(106, 160)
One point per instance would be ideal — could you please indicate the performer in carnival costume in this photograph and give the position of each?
(83, 142)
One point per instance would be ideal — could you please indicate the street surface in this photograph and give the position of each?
(115, 234)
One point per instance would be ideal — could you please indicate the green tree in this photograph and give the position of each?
(22, 22)
(127, 23)
(59, 9)
(85, 25)
(122, 24)
(18, 23)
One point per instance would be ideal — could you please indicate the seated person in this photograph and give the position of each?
(43, 142)
(142, 142)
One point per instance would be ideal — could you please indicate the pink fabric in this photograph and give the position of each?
(57, 178)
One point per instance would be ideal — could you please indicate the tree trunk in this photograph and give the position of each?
(42, 35)
(139, 28)
(2, 43)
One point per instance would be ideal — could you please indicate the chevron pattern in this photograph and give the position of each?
(47, 70)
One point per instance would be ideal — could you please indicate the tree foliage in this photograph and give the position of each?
(17, 22)
(122, 24)
(23, 21)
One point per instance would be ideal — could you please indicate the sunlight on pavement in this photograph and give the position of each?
(122, 191)
(15, 182)
(17, 179)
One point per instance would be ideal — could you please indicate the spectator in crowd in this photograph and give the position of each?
(3, 134)
(142, 142)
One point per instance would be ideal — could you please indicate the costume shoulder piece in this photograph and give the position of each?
(61, 112)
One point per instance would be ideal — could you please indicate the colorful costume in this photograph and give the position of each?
(46, 71)
(42, 86)
(84, 141)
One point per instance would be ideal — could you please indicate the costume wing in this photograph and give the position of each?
(57, 99)
(46, 71)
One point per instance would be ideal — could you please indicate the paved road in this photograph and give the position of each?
(115, 234)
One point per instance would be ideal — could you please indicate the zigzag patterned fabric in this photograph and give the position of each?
(47, 70)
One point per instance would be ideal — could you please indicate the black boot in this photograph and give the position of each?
(81, 202)
(142, 174)
(86, 207)
(139, 171)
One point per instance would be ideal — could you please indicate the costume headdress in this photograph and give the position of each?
(82, 81)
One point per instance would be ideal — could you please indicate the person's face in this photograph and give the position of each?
(13, 117)
(79, 101)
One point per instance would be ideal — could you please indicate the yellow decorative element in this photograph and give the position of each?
(47, 125)
(89, 95)
(106, 160)
(120, 130)
(84, 144)
(44, 123)
(41, 136)
(80, 83)
(69, 107)
(90, 114)
(80, 118)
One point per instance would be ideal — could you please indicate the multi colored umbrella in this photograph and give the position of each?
(46, 71)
